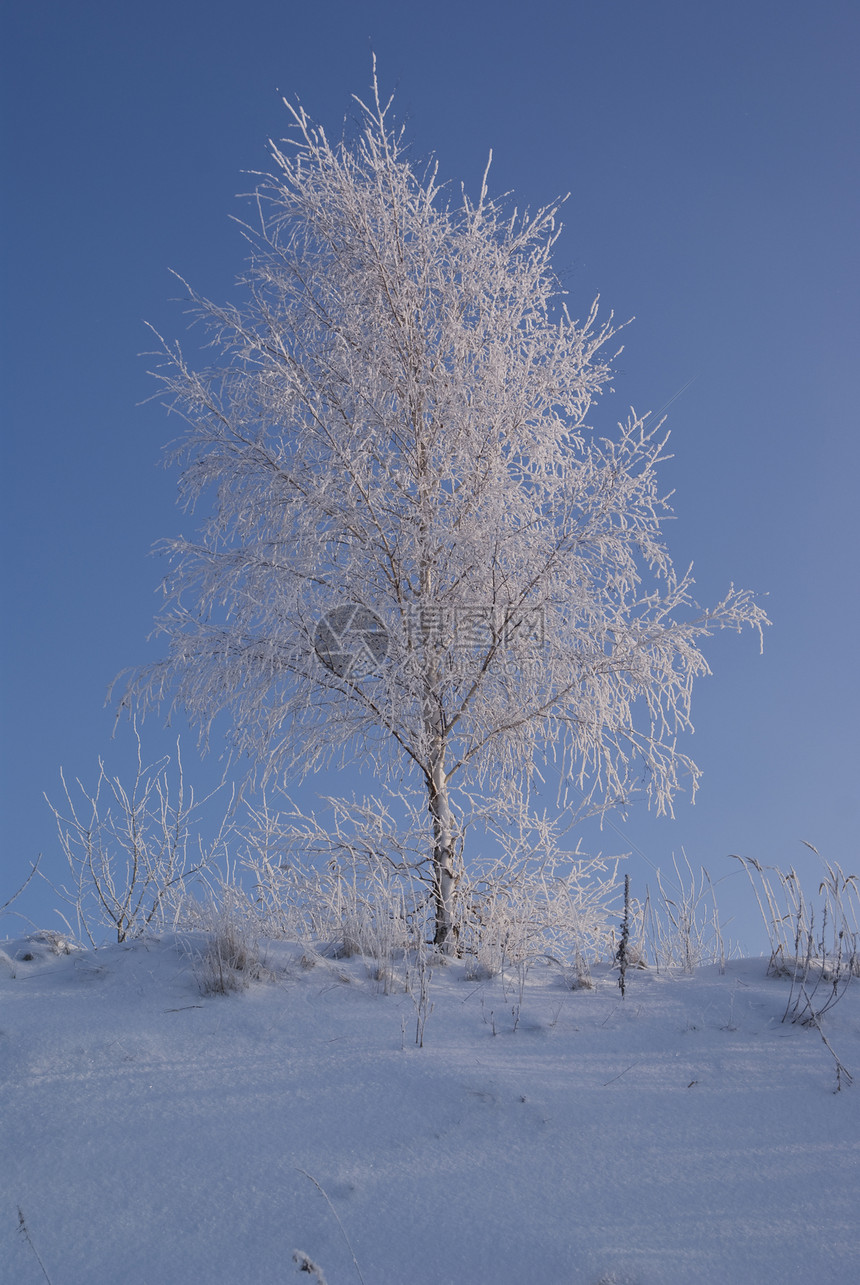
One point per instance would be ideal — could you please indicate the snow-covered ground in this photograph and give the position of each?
(153, 1134)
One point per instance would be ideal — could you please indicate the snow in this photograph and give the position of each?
(155, 1134)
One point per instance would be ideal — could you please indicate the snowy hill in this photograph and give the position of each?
(154, 1134)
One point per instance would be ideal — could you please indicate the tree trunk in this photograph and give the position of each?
(444, 878)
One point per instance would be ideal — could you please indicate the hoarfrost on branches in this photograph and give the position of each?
(397, 424)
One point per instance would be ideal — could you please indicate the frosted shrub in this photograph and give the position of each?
(814, 941)
(352, 887)
(533, 899)
(555, 907)
(130, 848)
(790, 917)
(363, 884)
(232, 957)
(680, 927)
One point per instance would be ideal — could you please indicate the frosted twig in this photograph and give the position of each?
(324, 1193)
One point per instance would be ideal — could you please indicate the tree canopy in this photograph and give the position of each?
(415, 546)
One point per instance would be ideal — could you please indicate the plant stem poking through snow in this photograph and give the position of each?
(23, 1228)
(621, 953)
(420, 997)
(307, 1264)
(324, 1193)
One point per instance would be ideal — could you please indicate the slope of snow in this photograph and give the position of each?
(151, 1134)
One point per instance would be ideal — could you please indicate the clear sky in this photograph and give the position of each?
(711, 155)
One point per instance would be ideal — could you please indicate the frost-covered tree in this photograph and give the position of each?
(416, 548)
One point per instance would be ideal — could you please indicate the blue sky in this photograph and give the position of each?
(710, 152)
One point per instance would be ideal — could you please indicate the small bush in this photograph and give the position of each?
(814, 942)
(231, 958)
(128, 848)
(680, 927)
